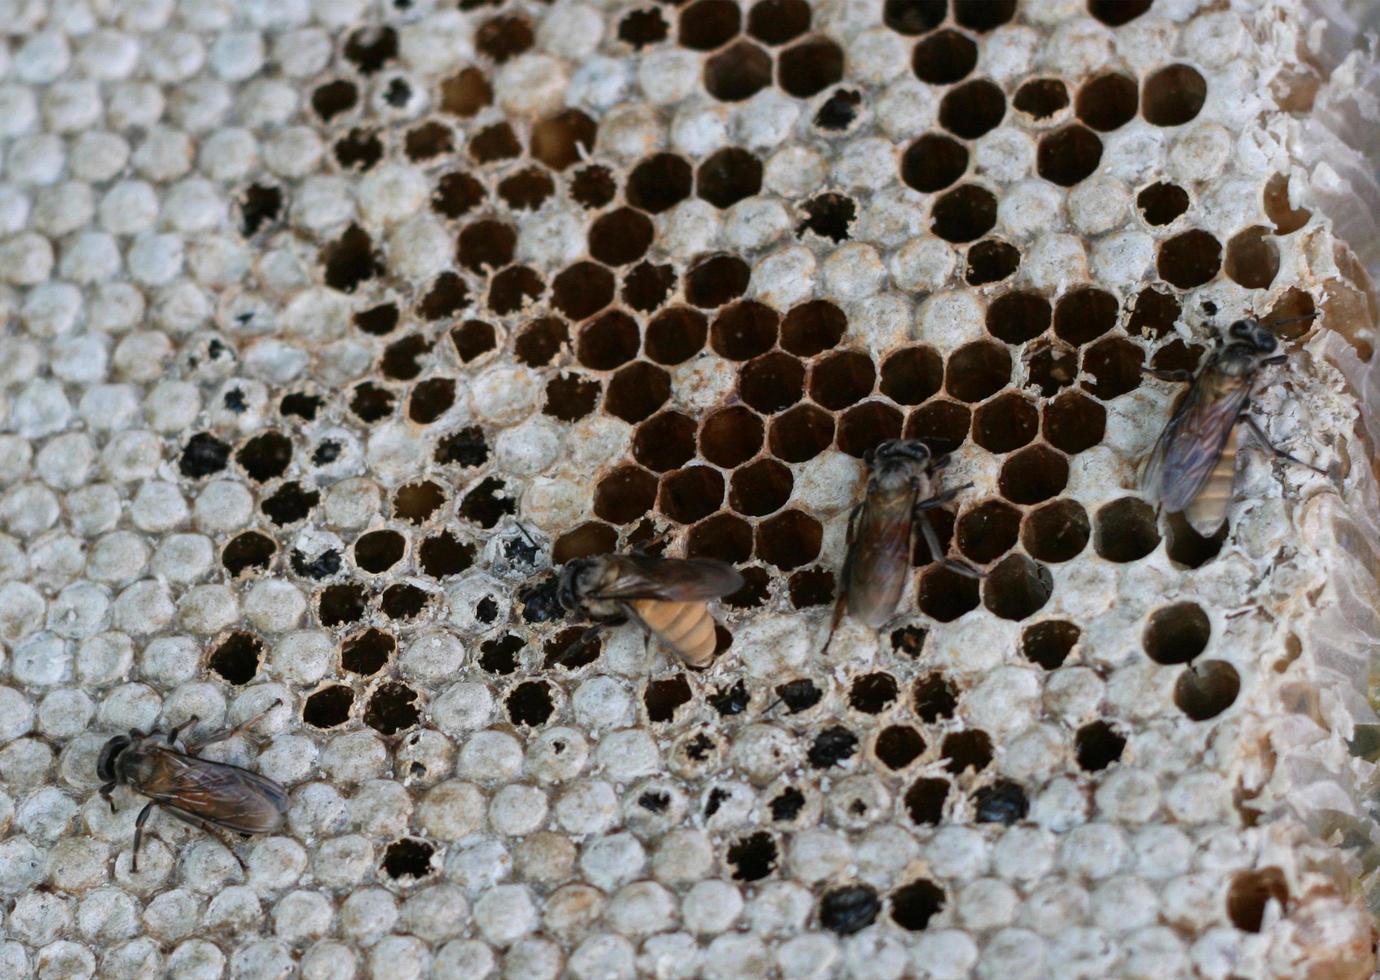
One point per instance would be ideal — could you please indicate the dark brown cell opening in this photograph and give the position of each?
(1189, 259)
(1114, 13)
(863, 427)
(691, 494)
(744, 330)
(487, 502)
(367, 653)
(1083, 315)
(637, 391)
(933, 162)
(1033, 475)
(1108, 102)
(464, 446)
(738, 72)
(945, 595)
(812, 328)
(707, 24)
(1115, 366)
(428, 140)
(1002, 802)
(538, 342)
(991, 261)
(1286, 218)
(1206, 689)
(924, 801)
(466, 93)
(1073, 422)
(665, 441)
(379, 321)
(914, 904)
(1018, 317)
(831, 747)
(563, 139)
(328, 707)
(935, 697)
(778, 21)
(456, 194)
(1126, 530)
(911, 17)
(966, 750)
(1252, 258)
(1292, 316)
(760, 488)
(789, 539)
(402, 359)
(527, 189)
(809, 67)
(350, 260)
(608, 341)
(370, 48)
(443, 554)
(986, 532)
(1177, 633)
(898, 746)
(912, 375)
(942, 425)
(416, 502)
(1041, 98)
(1049, 643)
(965, 213)
(1017, 587)
(829, 216)
(1250, 894)
(1160, 203)
(944, 57)
(431, 399)
(625, 494)
(265, 456)
(404, 601)
(972, 109)
(731, 436)
(798, 434)
(909, 641)
(716, 280)
(250, 550)
(1186, 547)
(500, 655)
(1057, 531)
(582, 290)
(1153, 314)
(237, 657)
(842, 379)
(659, 182)
(1173, 96)
(620, 237)
(811, 587)
(983, 15)
(494, 143)
(593, 186)
(1068, 155)
(755, 590)
(665, 697)
(378, 551)
(978, 370)
(392, 708)
(530, 704)
(584, 540)
(873, 693)
(676, 335)
(572, 648)
(753, 857)
(334, 98)
(358, 150)
(503, 37)
(728, 176)
(1005, 423)
(726, 537)
(289, 504)
(1178, 356)
(1098, 745)
(1051, 366)
(771, 382)
(646, 286)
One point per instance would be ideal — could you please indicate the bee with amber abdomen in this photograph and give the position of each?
(667, 597)
(1192, 469)
(199, 791)
(882, 529)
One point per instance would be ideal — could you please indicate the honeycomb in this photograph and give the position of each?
(333, 328)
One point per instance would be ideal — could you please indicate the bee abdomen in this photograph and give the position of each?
(685, 627)
(1208, 510)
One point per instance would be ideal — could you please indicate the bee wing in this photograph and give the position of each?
(671, 579)
(225, 795)
(1192, 441)
(879, 552)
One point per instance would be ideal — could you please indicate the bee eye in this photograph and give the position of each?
(1240, 329)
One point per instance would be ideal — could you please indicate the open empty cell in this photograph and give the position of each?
(772, 382)
(978, 370)
(863, 427)
(987, 531)
(637, 391)
(1056, 531)
(732, 436)
(744, 330)
(799, 434)
(940, 424)
(789, 539)
(760, 488)
(625, 494)
(691, 494)
(1005, 423)
(912, 374)
(1073, 422)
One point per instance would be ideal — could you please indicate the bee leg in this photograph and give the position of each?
(1265, 443)
(1166, 375)
(139, 836)
(179, 729)
(106, 791)
(193, 748)
(940, 499)
(834, 623)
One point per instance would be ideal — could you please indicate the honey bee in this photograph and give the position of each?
(199, 791)
(881, 532)
(1192, 468)
(665, 596)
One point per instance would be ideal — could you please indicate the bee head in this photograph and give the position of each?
(894, 451)
(1252, 333)
(105, 763)
(576, 576)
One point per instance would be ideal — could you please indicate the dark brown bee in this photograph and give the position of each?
(881, 532)
(665, 596)
(199, 791)
(1192, 469)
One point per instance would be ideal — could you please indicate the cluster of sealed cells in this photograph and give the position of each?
(607, 332)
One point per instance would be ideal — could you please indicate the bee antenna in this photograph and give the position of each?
(1275, 324)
